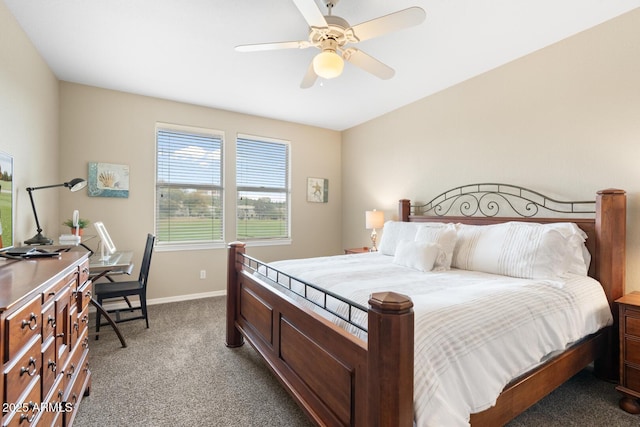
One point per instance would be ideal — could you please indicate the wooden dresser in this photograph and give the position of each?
(44, 307)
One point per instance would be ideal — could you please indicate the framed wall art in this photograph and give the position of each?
(317, 190)
(108, 180)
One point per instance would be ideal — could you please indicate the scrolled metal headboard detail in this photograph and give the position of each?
(487, 199)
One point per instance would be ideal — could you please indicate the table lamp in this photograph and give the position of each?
(73, 185)
(374, 219)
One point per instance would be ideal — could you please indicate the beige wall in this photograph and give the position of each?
(564, 120)
(29, 126)
(98, 125)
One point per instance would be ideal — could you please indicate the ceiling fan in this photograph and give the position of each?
(331, 34)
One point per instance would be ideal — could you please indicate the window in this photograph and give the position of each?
(263, 188)
(189, 190)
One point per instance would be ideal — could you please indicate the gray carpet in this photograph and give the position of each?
(179, 373)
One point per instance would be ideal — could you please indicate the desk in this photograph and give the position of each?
(118, 263)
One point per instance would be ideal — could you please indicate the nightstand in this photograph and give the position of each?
(629, 309)
(361, 250)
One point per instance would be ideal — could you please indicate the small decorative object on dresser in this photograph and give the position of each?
(629, 306)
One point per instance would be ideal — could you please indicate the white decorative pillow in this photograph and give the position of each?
(417, 255)
(517, 249)
(579, 258)
(395, 231)
(445, 235)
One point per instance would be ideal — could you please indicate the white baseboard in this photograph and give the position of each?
(165, 300)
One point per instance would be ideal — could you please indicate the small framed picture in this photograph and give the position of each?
(108, 180)
(317, 190)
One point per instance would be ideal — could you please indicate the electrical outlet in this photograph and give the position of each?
(203, 274)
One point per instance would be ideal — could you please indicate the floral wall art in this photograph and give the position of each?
(108, 180)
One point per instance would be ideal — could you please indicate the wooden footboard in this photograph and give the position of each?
(335, 377)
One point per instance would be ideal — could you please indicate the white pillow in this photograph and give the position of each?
(395, 231)
(417, 255)
(445, 235)
(517, 249)
(579, 258)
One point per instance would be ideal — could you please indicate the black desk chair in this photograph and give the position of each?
(110, 290)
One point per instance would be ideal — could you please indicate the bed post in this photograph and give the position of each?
(234, 337)
(390, 360)
(611, 220)
(404, 210)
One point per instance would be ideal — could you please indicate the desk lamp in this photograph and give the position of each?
(374, 219)
(73, 185)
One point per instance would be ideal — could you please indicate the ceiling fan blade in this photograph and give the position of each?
(386, 24)
(368, 63)
(272, 46)
(309, 78)
(311, 13)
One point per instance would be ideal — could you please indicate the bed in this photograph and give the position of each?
(339, 378)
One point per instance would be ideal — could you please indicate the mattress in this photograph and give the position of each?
(474, 331)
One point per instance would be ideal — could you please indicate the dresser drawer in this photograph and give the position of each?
(22, 370)
(49, 293)
(51, 414)
(632, 351)
(74, 330)
(84, 295)
(73, 366)
(83, 321)
(76, 388)
(84, 272)
(21, 326)
(49, 367)
(25, 414)
(632, 326)
(631, 378)
(48, 321)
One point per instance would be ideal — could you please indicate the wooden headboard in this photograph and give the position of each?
(603, 219)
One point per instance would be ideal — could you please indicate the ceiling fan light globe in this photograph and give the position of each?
(328, 64)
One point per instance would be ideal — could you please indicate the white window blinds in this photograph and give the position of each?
(189, 190)
(262, 179)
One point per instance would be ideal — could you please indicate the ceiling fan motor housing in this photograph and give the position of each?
(338, 29)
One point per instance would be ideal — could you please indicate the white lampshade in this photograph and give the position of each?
(328, 64)
(374, 219)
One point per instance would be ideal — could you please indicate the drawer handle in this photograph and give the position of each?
(32, 319)
(72, 369)
(85, 270)
(52, 293)
(25, 370)
(88, 294)
(85, 343)
(76, 326)
(51, 321)
(85, 319)
(52, 365)
(27, 418)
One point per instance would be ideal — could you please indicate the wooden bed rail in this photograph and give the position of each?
(374, 379)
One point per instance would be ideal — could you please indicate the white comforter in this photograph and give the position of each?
(474, 332)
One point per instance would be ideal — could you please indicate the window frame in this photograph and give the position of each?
(162, 246)
(267, 241)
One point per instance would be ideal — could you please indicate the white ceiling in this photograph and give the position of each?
(184, 50)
